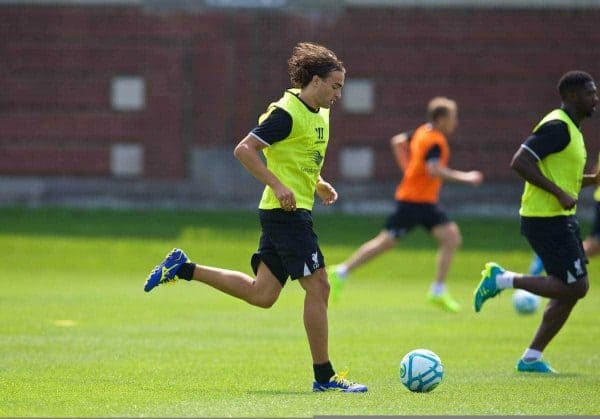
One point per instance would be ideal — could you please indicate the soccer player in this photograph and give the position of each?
(423, 156)
(293, 134)
(551, 161)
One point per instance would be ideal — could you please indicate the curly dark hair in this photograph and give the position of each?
(572, 80)
(310, 59)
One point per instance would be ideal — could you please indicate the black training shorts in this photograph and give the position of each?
(288, 245)
(409, 215)
(557, 241)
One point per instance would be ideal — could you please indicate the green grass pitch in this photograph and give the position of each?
(79, 337)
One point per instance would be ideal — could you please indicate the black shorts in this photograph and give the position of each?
(596, 226)
(557, 241)
(288, 245)
(410, 214)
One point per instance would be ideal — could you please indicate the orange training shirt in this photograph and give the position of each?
(418, 185)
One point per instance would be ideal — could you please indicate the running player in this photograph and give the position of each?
(423, 156)
(293, 135)
(551, 161)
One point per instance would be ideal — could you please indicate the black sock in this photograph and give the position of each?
(186, 271)
(323, 372)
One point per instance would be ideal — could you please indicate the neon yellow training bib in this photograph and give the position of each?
(297, 160)
(564, 168)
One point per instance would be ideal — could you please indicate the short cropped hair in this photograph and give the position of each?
(572, 80)
(439, 107)
(309, 60)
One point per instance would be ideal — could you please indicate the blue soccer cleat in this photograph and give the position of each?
(487, 288)
(539, 365)
(166, 270)
(340, 383)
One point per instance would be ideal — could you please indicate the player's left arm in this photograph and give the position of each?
(326, 191)
(591, 179)
(432, 159)
(472, 177)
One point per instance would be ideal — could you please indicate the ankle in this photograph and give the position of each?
(532, 355)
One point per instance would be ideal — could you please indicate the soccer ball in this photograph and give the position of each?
(525, 302)
(421, 370)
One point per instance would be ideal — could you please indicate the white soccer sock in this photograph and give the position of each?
(342, 271)
(438, 288)
(532, 354)
(505, 279)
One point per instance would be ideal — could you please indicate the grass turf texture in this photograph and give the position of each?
(79, 337)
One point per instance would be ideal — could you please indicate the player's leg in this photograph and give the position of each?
(549, 286)
(261, 291)
(557, 242)
(316, 324)
(381, 243)
(298, 249)
(562, 254)
(556, 314)
(449, 239)
(316, 287)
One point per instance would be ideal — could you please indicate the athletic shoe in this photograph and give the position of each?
(337, 284)
(166, 270)
(537, 266)
(487, 287)
(444, 301)
(340, 383)
(539, 365)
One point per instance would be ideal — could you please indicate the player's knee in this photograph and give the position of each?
(318, 286)
(456, 240)
(582, 288)
(452, 240)
(323, 285)
(264, 301)
(386, 241)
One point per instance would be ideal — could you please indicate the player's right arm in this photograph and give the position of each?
(247, 152)
(401, 149)
(274, 128)
(525, 164)
(551, 137)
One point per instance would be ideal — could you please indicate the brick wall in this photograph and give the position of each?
(208, 76)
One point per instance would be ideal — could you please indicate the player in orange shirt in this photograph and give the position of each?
(423, 156)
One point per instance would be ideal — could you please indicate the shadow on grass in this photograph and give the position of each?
(333, 229)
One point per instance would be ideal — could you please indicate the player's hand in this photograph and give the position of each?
(474, 177)
(326, 192)
(566, 200)
(286, 198)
